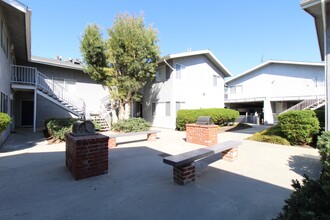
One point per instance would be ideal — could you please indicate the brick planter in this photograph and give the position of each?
(86, 156)
(206, 135)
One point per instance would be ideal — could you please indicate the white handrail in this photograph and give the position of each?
(105, 101)
(31, 76)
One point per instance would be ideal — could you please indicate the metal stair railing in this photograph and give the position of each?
(306, 104)
(104, 110)
(31, 76)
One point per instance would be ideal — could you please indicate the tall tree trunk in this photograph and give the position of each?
(127, 112)
(114, 117)
(121, 114)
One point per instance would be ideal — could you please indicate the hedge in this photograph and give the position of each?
(4, 121)
(220, 116)
(299, 126)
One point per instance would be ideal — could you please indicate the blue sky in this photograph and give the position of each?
(240, 33)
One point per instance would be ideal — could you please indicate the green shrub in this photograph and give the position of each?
(323, 144)
(131, 125)
(4, 121)
(57, 127)
(311, 199)
(320, 114)
(220, 116)
(97, 126)
(299, 127)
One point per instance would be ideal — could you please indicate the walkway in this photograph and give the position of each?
(34, 183)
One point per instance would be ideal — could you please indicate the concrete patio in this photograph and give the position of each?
(34, 183)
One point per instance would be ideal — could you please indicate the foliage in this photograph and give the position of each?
(131, 125)
(97, 126)
(320, 114)
(125, 61)
(299, 127)
(4, 121)
(220, 116)
(57, 127)
(273, 139)
(323, 144)
(311, 199)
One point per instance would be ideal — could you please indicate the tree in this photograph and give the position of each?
(124, 62)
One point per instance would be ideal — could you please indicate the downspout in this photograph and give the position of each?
(168, 65)
(324, 19)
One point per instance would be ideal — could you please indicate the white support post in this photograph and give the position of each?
(35, 111)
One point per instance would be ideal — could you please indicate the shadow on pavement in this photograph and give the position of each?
(138, 186)
(305, 165)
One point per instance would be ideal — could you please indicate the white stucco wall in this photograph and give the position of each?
(275, 85)
(277, 81)
(5, 65)
(194, 90)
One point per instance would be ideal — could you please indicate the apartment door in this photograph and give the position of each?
(27, 113)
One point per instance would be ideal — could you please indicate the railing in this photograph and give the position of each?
(31, 76)
(105, 102)
(305, 104)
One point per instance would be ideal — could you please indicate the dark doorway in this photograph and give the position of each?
(27, 113)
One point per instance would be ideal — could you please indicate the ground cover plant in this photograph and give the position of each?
(131, 125)
(57, 127)
(220, 116)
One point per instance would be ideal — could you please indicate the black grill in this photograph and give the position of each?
(204, 120)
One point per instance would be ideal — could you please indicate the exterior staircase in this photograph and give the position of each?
(98, 119)
(311, 104)
(29, 77)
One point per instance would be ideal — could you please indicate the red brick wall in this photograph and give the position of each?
(206, 135)
(86, 156)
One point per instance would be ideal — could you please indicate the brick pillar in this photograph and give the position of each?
(184, 174)
(206, 135)
(112, 142)
(86, 156)
(230, 154)
(152, 137)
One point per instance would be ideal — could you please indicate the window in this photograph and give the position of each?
(161, 74)
(215, 81)
(68, 84)
(4, 39)
(236, 89)
(232, 89)
(153, 108)
(178, 105)
(3, 103)
(168, 109)
(178, 69)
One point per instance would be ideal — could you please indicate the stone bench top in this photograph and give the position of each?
(191, 156)
(217, 148)
(131, 133)
(187, 157)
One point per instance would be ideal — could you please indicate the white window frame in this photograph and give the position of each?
(179, 70)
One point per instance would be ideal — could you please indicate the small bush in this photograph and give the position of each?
(299, 127)
(131, 125)
(220, 116)
(4, 121)
(311, 199)
(59, 126)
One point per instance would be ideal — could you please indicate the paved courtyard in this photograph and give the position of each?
(34, 183)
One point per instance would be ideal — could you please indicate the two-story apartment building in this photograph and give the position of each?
(189, 80)
(33, 89)
(275, 86)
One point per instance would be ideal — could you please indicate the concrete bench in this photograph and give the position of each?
(151, 136)
(184, 170)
